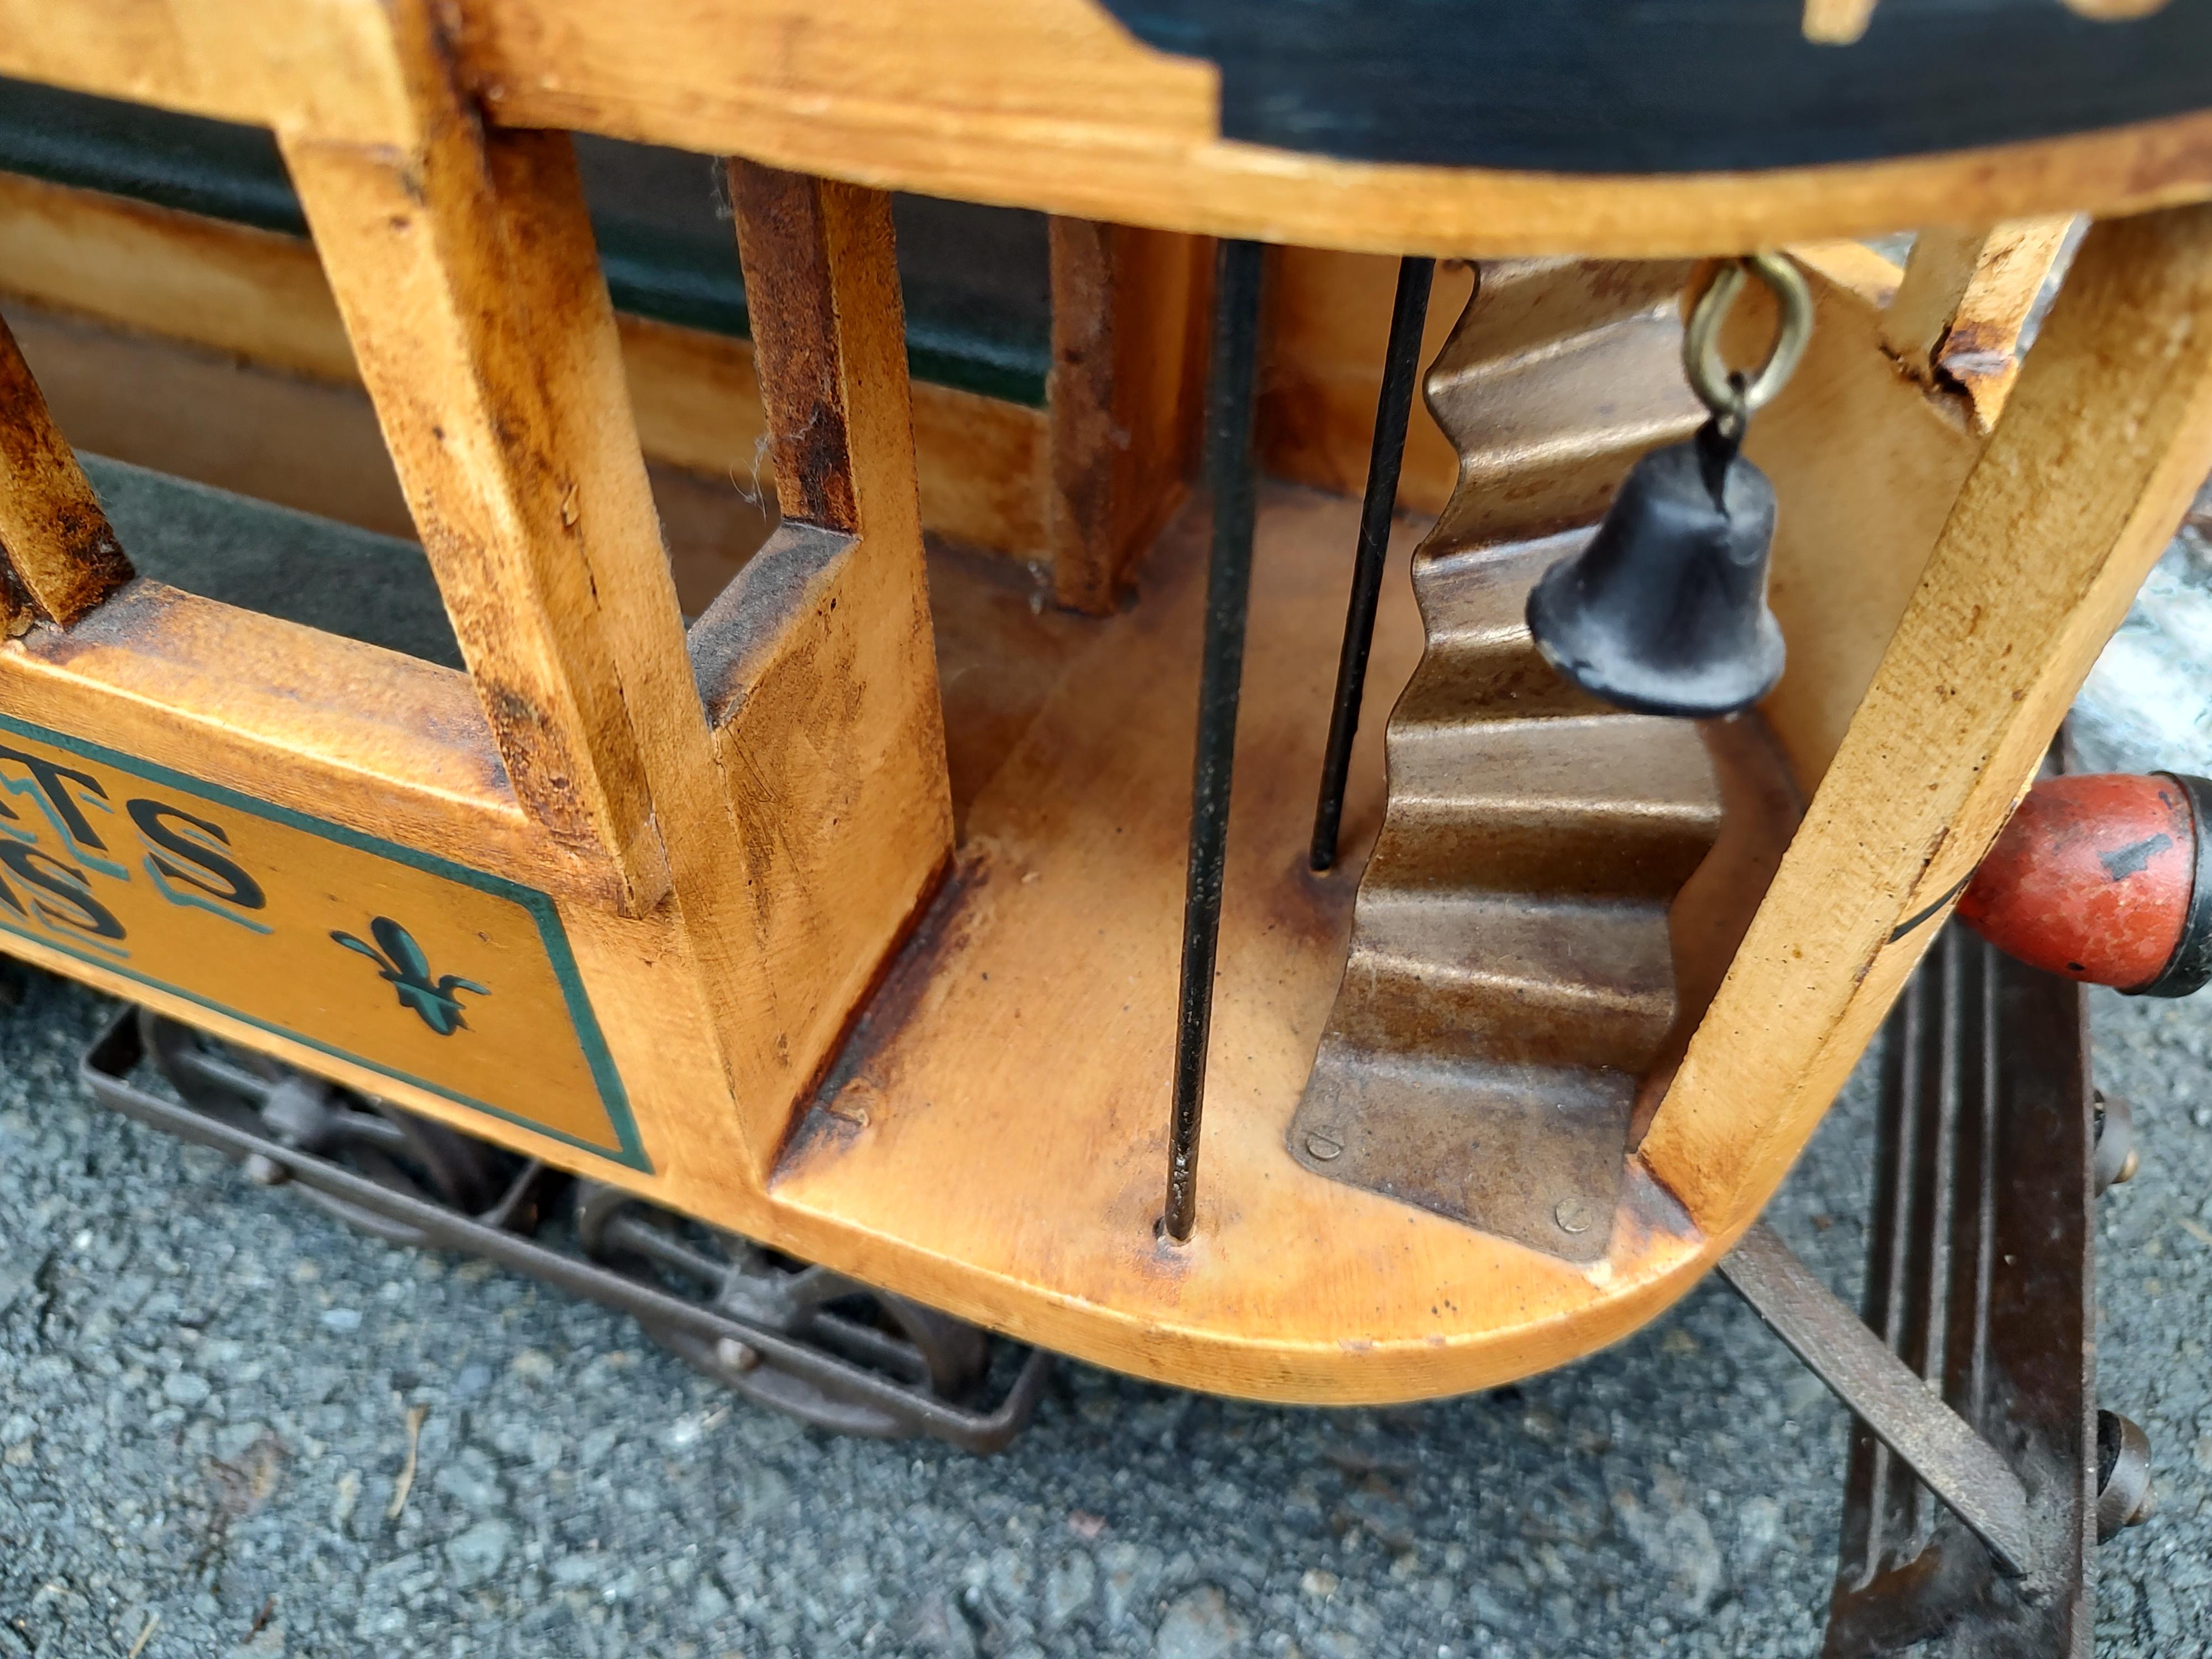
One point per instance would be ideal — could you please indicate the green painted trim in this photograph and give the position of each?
(1004, 369)
(214, 168)
(612, 1096)
(235, 173)
(669, 280)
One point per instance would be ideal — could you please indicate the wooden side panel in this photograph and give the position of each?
(817, 663)
(1048, 104)
(377, 742)
(59, 556)
(213, 420)
(465, 268)
(982, 462)
(1326, 322)
(434, 256)
(1128, 320)
(230, 286)
(2106, 436)
(1964, 301)
(1865, 462)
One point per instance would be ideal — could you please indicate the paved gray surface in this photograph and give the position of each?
(204, 1391)
(205, 1387)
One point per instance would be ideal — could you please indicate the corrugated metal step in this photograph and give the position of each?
(1561, 374)
(1487, 977)
(1512, 976)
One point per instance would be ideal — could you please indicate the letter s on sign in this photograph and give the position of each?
(51, 880)
(204, 867)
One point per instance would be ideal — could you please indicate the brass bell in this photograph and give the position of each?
(1664, 611)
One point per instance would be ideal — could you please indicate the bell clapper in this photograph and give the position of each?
(1664, 611)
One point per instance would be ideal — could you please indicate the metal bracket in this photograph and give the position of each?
(791, 1369)
(1887, 1394)
(1973, 1375)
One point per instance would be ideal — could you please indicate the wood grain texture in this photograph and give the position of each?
(982, 463)
(465, 270)
(324, 67)
(435, 256)
(302, 929)
(783, 228)
(59, 556)
(366, 738)
(1324, 328)
(1295, 1288)
(817, 665)
(308, 444)
(1964, 299)
(999, 1126)
(2106, 436)
(1129, 317)
(214, 419)
(741, 886)
(1037, 103)
(1866, 463)
(1047, 103)
(228, 287)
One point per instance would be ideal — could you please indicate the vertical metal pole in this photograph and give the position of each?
(1394, 408)
(1228, 587)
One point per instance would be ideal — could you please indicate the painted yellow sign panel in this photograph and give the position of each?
(459, 982)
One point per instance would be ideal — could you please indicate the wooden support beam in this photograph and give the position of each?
(2105, 437)
(58, 557)
(786, 225)
(464, 270)
(1128, 370)
(262, 297)
(817, 663)
(1325, 323)
(1958, 314)
(464, 266)
(352, 733)
(1050, 104)
(1847, 558)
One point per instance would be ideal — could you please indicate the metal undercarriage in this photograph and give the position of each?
(1981, 1475)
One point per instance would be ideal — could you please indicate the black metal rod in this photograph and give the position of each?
(1228, 589)
(1393, 408)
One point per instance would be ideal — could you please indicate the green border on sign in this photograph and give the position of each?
(612, 1096)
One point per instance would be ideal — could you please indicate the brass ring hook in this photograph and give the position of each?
(1731, 400)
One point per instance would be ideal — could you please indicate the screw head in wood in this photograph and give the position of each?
(2125, 1497)
(2114, 1158)
(1324, 1147)
(734, 1355)
(1575, 1215)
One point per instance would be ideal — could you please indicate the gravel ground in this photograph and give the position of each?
(205, 1388)
(205, 1392)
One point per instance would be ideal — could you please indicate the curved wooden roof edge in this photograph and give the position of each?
(1046, 104)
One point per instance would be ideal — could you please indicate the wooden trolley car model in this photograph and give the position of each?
(815, 900)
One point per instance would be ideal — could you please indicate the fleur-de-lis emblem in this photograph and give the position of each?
(402, 966)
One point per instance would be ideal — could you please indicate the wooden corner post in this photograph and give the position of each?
(58, 557)
(463, 263)
(817, 663)
(765, 821)
(1967, 293)
(2106, 436)
(1129, 314)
